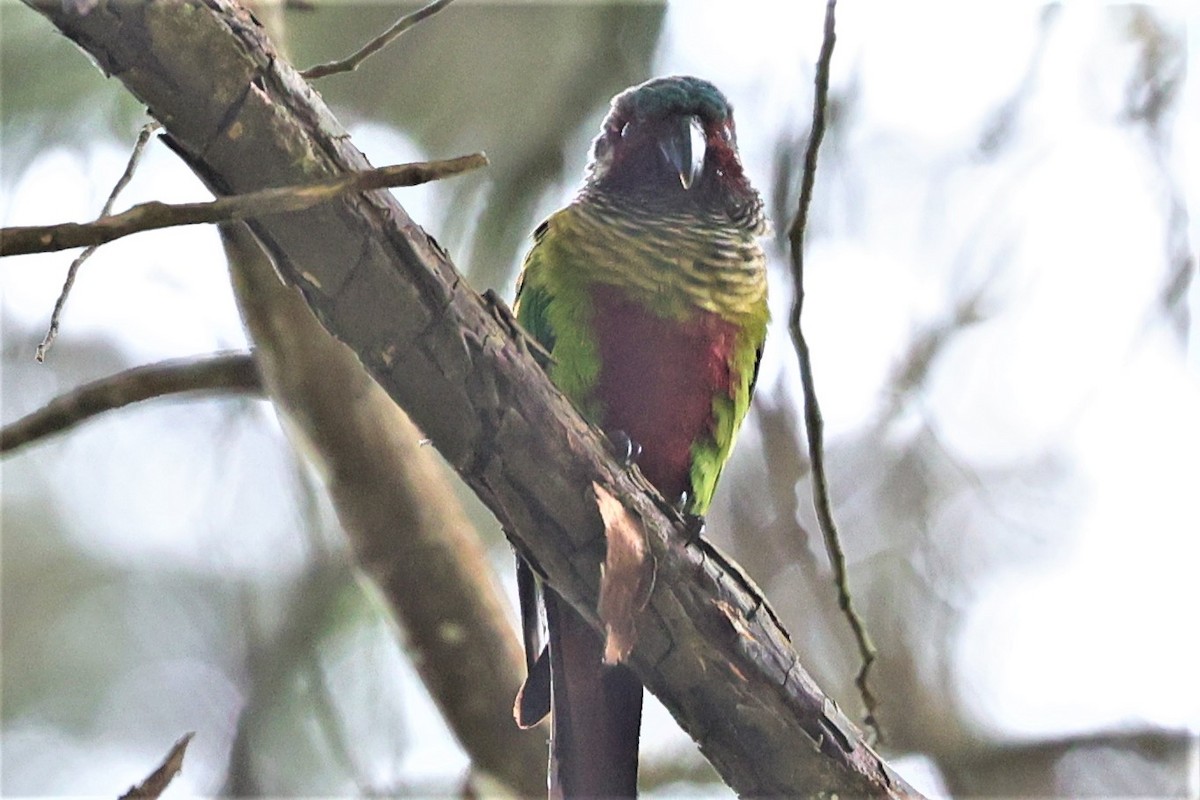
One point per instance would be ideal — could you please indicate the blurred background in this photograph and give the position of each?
(1001, 304)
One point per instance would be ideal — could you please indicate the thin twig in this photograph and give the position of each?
(350, 63)
(813, 422)
(161, 778)
(228, 372)
(56, 316)
(277, 200)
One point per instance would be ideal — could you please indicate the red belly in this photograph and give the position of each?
(657, 381)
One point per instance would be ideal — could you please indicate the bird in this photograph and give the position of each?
(647, 293)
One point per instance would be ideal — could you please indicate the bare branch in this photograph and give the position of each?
(226, 372)
(278, 200)
(813, 423)
(161, 778)
(351, 63)
(52, 332)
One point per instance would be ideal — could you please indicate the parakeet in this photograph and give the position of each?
(649, 293)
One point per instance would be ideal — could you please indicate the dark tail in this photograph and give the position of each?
(596, 711)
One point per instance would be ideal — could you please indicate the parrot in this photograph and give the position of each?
(647, 294)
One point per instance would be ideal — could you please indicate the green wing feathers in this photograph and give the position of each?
(709, 455)
(553, 306)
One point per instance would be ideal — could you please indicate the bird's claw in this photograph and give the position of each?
(693, 524)
(626, 450)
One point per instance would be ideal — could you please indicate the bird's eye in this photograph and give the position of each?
(624, 130)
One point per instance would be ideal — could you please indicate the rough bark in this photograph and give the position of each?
(408, 530)
(707, 646)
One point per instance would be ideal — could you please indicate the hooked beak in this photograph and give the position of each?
(683, 150)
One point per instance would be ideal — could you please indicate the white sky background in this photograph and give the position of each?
(1063, 233)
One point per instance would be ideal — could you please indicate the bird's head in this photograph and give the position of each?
(670, 144)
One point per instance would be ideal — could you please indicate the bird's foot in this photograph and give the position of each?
(626, 450)
(693, 524)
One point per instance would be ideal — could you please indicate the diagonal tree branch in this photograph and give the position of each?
(398, 509)
(157, 782)
(73, 271)
(708, 645)
(225, 372)
(155, 215)
(352, 62)
(404, 522)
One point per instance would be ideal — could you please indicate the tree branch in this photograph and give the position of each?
(708, 645)
(158, 781)
(154, 215)
(352, 62)
(404, 522)
(814, 424)
(73, 271)
(225, 372)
